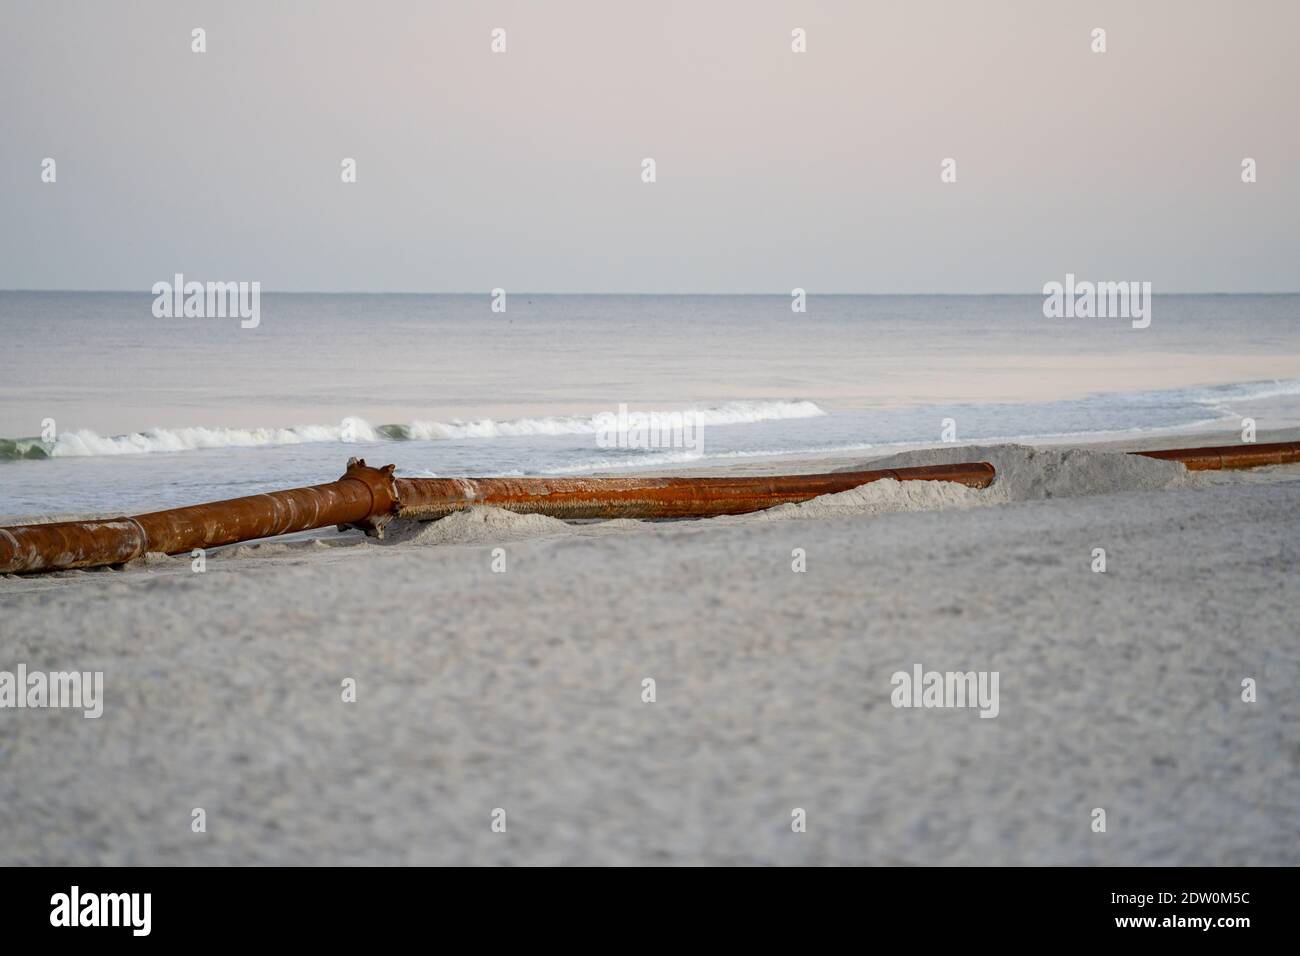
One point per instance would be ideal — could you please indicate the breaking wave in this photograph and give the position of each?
(732, 413)
(84, 442)
(1217, 397)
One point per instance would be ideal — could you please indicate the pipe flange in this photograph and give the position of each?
(383, 495)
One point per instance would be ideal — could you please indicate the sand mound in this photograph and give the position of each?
(1027, 474)
(474, 526)
(1024, 474)
(880, 497)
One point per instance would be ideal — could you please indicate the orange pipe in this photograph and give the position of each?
(1230, 456)
(63, 545)
(426, 498)
(368, 498)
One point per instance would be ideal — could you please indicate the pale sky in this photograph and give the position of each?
(775, 169)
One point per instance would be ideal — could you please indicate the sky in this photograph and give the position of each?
(774, 169)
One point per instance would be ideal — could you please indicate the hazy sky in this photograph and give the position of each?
(775, 169)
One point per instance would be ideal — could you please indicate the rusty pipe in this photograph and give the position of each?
(426, 498)
(368, 498)
(1230, 456)
(361, 493)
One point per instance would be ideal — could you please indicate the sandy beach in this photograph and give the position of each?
(764, 434)
(522, 690)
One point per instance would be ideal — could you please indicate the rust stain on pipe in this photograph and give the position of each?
(368, 498)
(426, 498)
(353, 499)
(1230, 456)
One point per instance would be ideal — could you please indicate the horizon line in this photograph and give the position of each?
(624, 293)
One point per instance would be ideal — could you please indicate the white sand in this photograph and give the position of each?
(522, 690)
(478, 525)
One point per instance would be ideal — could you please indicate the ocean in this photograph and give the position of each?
(140, 412)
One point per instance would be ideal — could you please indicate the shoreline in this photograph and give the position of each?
(796, 463)
(1023, 379)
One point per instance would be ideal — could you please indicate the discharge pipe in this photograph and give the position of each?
(368, 498)
(1225, 457)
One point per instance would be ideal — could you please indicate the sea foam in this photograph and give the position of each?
(85, 442)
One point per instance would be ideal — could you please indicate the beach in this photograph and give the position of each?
(779, 433)
(689, 692)
(523, 690)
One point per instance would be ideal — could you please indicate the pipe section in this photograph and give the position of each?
(368, 498)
